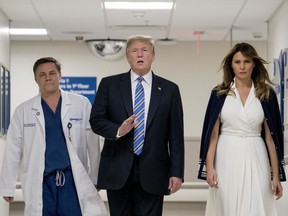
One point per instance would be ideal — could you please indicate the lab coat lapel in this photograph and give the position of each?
(38, 112)
(66, 103)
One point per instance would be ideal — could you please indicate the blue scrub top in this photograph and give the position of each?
(56, 153)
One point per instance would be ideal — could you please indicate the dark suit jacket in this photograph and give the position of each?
(163, 152)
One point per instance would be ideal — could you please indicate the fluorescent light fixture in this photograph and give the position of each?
(139, 5)
(26, 31)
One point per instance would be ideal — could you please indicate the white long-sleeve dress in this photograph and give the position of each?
(241, 162)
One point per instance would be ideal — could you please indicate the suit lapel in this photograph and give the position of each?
(156, 93)
(125, 89)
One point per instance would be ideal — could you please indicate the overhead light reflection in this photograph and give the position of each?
(139, 5)
(27, 31)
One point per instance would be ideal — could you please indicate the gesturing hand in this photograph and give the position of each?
(127, 125)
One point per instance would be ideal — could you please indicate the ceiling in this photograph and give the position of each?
(216, 20)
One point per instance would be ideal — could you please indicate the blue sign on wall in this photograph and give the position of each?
(7, 97)
(4, 100)
(80, 85)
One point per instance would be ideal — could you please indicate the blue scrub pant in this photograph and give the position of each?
(59, 195)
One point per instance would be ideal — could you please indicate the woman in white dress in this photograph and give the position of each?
(242, 139)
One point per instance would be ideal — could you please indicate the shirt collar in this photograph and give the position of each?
(147, 78)
(233, 85)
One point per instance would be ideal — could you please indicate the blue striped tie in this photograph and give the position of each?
(139, 111)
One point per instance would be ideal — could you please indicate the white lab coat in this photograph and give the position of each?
(25, 154)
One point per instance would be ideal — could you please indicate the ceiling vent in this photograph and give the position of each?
(166, 42)
(107, 49)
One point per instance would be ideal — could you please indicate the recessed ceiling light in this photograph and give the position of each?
(27, 31)
(139, 5)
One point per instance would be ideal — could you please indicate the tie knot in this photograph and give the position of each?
(140, 79)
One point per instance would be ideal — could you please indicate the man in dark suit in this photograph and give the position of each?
(143, 154)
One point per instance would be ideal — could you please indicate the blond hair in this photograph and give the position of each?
(144, 38)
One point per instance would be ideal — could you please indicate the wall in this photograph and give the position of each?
(278, 40)
(4, 60)
(4, 40)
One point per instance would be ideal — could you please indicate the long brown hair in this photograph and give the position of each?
(260, 76)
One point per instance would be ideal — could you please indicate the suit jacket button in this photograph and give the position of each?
(131, 150)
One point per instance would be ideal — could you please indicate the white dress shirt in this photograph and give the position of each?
(147, 85)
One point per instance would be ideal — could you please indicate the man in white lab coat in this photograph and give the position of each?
(48, 143)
